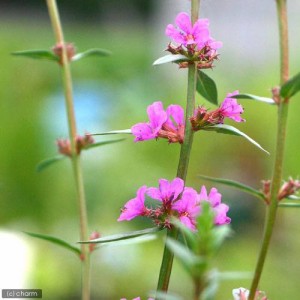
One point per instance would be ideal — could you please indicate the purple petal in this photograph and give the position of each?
(177, 113)
(188, 201)
(157, 116)
(230, 108)
(175, 35)
(134, 207)
(214, 197)
(143, 132)
(203, 194)
(188, 222)
(167, 191)
(154, 193)
(221, 217)
(184, 23)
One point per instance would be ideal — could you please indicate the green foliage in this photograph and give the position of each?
(98, 144)
(55, 241)
(124, 131)
(122, 236)
(290, 205)
(165, 296)
(228, 129)
(37, 54)
(254, 97)
(207, 88)
(291, 87)
(201, 246)
(90, 53)
(235, 184)
(170, 58)
(49, 162)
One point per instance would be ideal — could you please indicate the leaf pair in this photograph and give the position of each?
(49, 55)
(50, 161)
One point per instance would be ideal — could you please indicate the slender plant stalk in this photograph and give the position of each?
(280, 144)
(168, 256)
(67, 81)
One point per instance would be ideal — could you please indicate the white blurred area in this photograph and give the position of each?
(16, 260)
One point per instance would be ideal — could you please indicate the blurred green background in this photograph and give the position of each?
(113, 93)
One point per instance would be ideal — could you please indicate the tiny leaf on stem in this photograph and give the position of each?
(124, 131)
(169, 58)
(38, 54)
(94, 145)
(235, 184)
(254, 97)
(122, 236)
(91, 52)
(227, 129)
(207, 88)
(48, 162)
(187, 258)
(291, 87)
(55, 240)
(289, 205)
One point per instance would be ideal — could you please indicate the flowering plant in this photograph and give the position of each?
(195, 220)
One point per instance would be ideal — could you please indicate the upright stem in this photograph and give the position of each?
(68, 90)
(167, 262)
(280, 144)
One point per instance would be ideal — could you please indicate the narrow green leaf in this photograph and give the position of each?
(124, 131)
(122, 236)
(91, 52)
(291, 87)
(186, 257)
(227, 129)
(293, 197)
(289, 205)
(170, 58)
(55, 240)
(158, 295)
(235, 184)
(48, 162)
(235, 275)
(102, 144)
(220, 234)
(136, 240)
(254, 97)
(190, 236)
(37, 54)
(207, 88)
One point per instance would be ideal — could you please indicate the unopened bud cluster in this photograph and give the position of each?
(288, 188)
(58, 51)
(64, 145)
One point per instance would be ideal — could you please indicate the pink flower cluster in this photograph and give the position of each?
(174, 199)
(193, 40)
(168, 124)
(229, 108)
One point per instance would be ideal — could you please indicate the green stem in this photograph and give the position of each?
(167, 262)
(68, 89)
(280, 144)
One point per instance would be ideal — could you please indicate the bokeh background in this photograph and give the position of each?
(113, 93)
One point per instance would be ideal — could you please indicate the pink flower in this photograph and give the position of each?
(157, 117)
(231, 109)
(187, 34)
(188, 208)
(174, 200)
(220, 209)
(167, 124)
(134, 207)
(167, 191)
